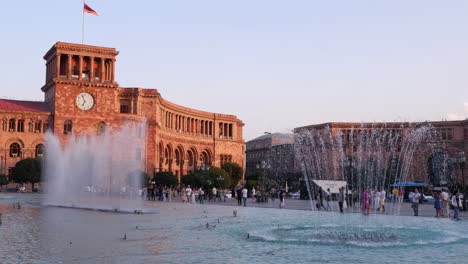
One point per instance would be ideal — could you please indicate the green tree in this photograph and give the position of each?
(138, 179)
(28, 170)
(234, 170)
(3, 180)
(214, 177)
(166, 178)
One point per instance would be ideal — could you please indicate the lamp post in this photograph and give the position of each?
(461, 162)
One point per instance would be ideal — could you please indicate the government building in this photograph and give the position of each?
(82, 97)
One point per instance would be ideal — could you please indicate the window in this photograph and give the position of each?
(446, 133)
(21, 125)
(38, 126)
(67, 127)
(124, 106)
(15, 150)
(4, 125)
(12, 125)
(39, 150)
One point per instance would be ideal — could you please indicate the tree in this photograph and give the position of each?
(214, 177)
(3, 180)
(165, 178)
(234, 170)
(28, 170)
(138, 179)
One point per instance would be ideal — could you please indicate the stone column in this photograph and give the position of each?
(102, 70)
(57, 65)
(69, 66)
(112, 70)
(80, 69)
(91, 69)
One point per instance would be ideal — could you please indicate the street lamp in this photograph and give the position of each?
(461, 163)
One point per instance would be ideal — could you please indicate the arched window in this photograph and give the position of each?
(67, 127)
(15, 150)
(39, 150)
(21, 125)
(12, 125)
(101, 128)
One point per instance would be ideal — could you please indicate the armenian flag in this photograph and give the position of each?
(89, 10)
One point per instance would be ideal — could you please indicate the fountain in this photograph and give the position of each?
(95, 171)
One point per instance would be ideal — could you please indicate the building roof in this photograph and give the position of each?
(27, 106)
(275, 135)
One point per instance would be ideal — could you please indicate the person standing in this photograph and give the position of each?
(254, 194)
(328, 197)
(365, 202)
(456, 203)
(281, 197)
(415, 202)
(244, 196)
(382, 201)
(239, 196)
(437, 204)
(341, 198)
(214, 192)
(444, 197)
(394, 194)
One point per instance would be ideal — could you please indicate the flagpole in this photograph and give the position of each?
(82, 25)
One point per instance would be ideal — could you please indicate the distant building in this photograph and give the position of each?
(257, 150)
(453, 135)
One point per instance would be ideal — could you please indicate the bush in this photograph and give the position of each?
(3, 179)
(214, 177)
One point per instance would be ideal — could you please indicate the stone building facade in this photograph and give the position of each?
(82, 97)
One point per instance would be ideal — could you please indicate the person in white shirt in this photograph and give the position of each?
(254, 193)
(444, 197)
(456, 203)
(214, 192)
(415, 202)
(244, 196)
(382, 200)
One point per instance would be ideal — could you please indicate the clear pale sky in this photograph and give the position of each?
(275, 64)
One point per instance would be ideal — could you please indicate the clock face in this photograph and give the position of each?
(84, 101)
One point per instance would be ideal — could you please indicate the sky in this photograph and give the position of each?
(274, 64)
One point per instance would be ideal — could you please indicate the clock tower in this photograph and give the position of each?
(80, 88)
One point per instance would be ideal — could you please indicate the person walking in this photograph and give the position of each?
(244, 196)
(254, 194)
(341, 198)
(415, 202)
(456, 203)
(214, 192)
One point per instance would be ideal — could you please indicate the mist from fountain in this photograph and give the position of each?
(93, 171)
(366, 157)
